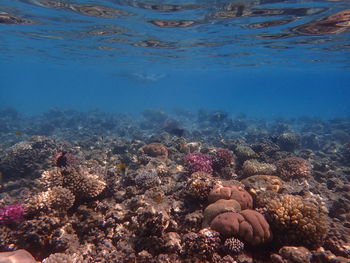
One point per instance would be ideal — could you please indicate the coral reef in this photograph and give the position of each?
(17, 256)
(129, 189)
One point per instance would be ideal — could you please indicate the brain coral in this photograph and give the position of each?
(295, 221)
(79, 180)
(220, 206)
(231, 192)
(293, 167)
(248, 225)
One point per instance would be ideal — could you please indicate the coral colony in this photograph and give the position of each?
(11, 213)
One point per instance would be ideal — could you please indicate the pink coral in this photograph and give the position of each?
(198, 162)
(11, 213)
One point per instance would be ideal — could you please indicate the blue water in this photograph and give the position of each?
(70, 54)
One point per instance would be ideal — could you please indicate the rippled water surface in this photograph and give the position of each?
(200, 33)
(258, 57)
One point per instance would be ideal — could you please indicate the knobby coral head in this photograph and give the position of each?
(11, 213)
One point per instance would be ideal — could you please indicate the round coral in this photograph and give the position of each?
(248, 225)
(198, 162)
(295, 221)
(253, 167)
(199, 186)
(293, 167)
(231, 192)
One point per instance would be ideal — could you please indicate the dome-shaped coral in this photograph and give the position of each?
(234, 192)
(248, 225)
(292, 167)
(295, 221)
(220, 206)
(221, 158)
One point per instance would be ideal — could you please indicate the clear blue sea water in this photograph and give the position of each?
(261, 58)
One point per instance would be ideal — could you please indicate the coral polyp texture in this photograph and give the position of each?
(293, 167)
(156, 149)
(56, 198)
(80, 180)
(234, 192)
(295, 221)
(11, 213)
(254, 167)
(198, 162)
(221, 158)
(248, 225)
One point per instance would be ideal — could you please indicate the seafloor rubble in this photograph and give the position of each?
(173, 187)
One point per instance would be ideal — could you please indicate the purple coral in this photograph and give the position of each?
(221, 158)
(11, 213)
(198, 162)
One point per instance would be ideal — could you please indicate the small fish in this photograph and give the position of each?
(19, 133)
(121, 167)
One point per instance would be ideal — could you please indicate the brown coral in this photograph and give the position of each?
(220, 206)
(253, 167)
(258, 184)
(248, 225)
(199, 186)
(57, 198)
(293, 167)
(79, 180)
(231, 192)
(295, 221)
(155, 149)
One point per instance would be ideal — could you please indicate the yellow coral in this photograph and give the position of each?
(295, 221)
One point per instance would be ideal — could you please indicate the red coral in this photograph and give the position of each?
(198, 162)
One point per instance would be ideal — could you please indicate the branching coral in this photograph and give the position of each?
(57, 198)
(253, 167)
(293, 167)
(79, 180)
(295, 221)
(198, 162)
